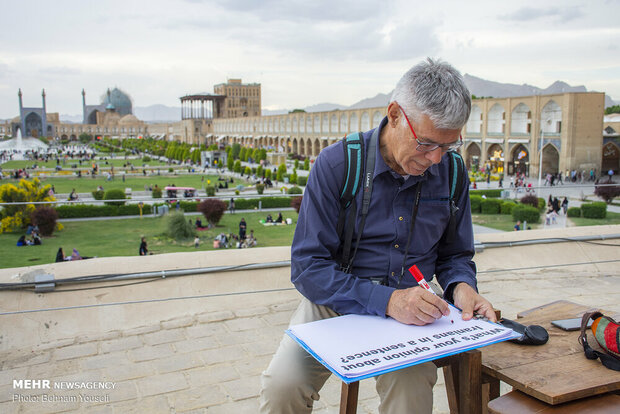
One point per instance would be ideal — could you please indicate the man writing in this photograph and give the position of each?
(429, 107)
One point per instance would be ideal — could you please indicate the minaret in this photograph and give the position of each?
(44, 116)
(84, 120)
(21, 112)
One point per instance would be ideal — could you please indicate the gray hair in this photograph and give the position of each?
(436, 89)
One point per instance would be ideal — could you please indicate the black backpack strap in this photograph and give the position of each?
(458, 174)
(347, 198)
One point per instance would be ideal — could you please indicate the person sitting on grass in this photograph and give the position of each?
(75, 255)
(269, 219)
(60, 255)
(280, 219)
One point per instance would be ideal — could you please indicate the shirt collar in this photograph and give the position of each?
(381, 166)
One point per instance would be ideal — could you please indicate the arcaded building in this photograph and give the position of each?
(503, 134)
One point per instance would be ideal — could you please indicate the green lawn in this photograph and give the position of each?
(612, 218)
(104, 238)
(116, 162)
(85, 184)
(502, 222)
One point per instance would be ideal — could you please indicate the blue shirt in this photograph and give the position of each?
(315, 269)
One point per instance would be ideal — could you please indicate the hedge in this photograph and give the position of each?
(189, 206)
(507, 207)
(573, 212)
(302, 180)
(475, 201)
(114, 194)
(84, 210)
(98, 194)
(525, 213)
(490, 205)
(596, 210)
(266, 202)
(489, 193)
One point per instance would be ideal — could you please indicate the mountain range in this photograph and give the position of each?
(477, 86)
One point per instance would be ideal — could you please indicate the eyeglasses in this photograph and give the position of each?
(430, 146)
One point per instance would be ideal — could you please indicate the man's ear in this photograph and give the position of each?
(393, 114)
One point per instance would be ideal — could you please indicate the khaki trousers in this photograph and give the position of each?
(294, 378)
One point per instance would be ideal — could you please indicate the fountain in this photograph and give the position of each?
(18, 146)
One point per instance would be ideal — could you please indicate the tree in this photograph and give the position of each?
(281, 172)
(213, 209)
(230, 163)
(237, 166)
(262, 155)
(296, 203)
(85, 138)
(607, 190)
(45, 218)
(18, 216)
(615, 109)
(236, 149)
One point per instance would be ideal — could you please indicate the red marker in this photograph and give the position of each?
(419, 277)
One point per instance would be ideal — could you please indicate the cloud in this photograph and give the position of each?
(301, 10)
(561, 15)
(58, 71)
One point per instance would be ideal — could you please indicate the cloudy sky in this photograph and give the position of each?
(303, 52)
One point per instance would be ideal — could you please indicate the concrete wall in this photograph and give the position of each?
(518, 285)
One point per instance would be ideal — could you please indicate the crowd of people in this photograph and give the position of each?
(31, 238)
(554, 207)
(231, 240)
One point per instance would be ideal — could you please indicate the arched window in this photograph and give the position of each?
(495, 124)
(365, 121)
(343, 123)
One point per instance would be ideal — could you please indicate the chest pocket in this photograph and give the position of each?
(431, 223)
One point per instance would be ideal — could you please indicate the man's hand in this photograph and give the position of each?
(416, 306)
(470, 302)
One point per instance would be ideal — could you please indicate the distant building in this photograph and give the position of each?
(114, 99)
(242, 99)
(503, 134)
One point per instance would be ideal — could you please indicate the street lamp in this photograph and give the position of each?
(542, 142)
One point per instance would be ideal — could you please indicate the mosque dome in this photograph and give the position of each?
(119, 100)
(128, 119)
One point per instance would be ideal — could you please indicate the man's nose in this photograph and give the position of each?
(435, 155)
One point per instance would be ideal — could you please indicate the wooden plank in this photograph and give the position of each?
(348, 397)
(562, 379)
(451, 378)
(555, 372)
(516, 402)
(470, 383)
(561, 343)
